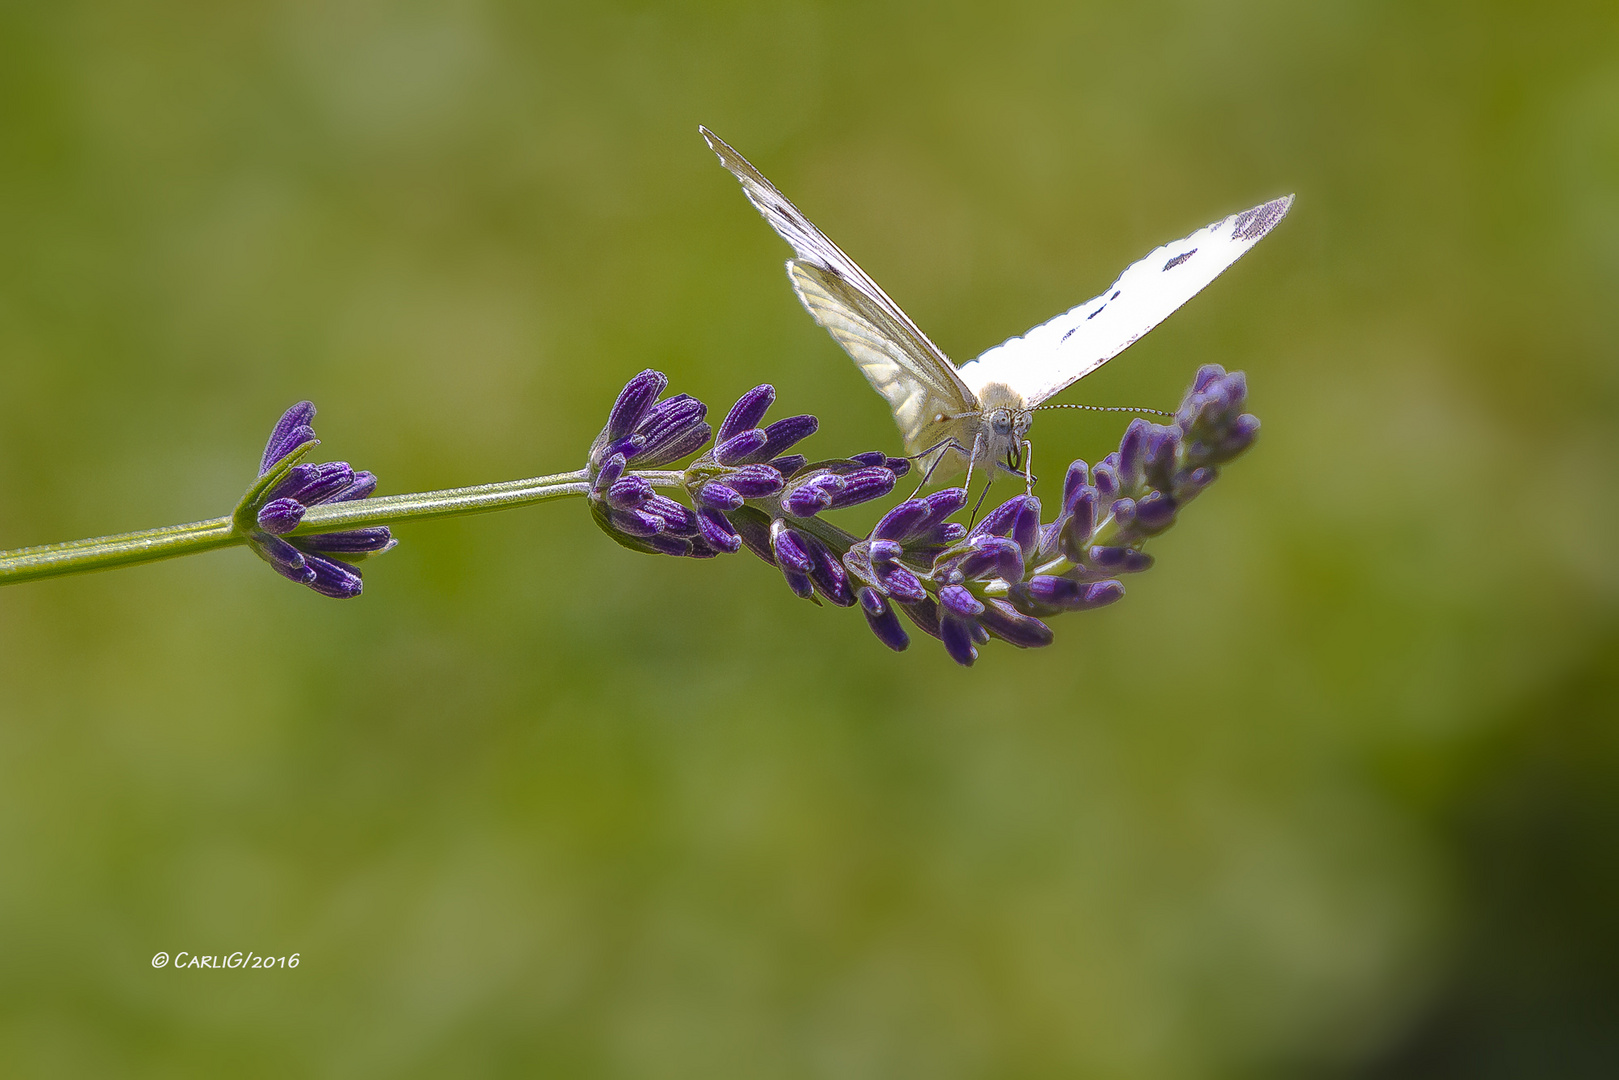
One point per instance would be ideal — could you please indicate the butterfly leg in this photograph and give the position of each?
(972, 459)
(943, 446)
(982, 495)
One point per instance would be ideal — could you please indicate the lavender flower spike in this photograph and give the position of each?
(285, 491)
(999, 581)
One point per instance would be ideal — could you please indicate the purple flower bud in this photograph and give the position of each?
(361, 487)
(884, 551)
(280, 515)
(295, 480)
(1051, 594)
(999, 521)
(627, 447)
(755, 481)
(800, 583)
(1206, 375)
(877, 459)
(611, 469)
(899, 582)
(812, 496)
(1011, 625)
(330, 478)
(682, 445)
(883, 621)
(957, 600)
(374, 541)
(289, 433)
(1106, 480)
(1229, 393)
(749, 409)
(862, 485)
(1078, 477)
(1239, 436)
(988, 555)
(629, 492)
(1155, 512)
(635, 522)
(716, 530)
(1194, 482)
(781, 435)
(1130, 447)
(719, 496)
(1124, 512)
(1101, 593)
(788, 464)
(789, 550)
(632, 404)
(1083, 516)
(676, 518)
(1026, 528)
(957, 635)
(1049, 591)
(336, 579)
(941, 504)
(287, 560)
(1119, 560)
(673, 429)
(739, 447)
(1161, 448)
(903, 520)
(829, 575)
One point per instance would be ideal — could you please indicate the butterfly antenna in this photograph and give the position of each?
(1107, 408)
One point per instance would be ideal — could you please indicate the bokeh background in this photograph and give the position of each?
(1333, 792)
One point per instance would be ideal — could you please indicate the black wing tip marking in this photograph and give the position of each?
(1252, 224)
(1177, 260)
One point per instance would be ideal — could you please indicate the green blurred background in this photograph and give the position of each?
(1335, 791)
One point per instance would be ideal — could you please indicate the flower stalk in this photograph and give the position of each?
(171, 541)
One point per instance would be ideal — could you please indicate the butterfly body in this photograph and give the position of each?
(983, 410)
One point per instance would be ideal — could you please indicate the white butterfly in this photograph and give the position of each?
(981, 411)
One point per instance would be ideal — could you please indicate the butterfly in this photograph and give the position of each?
(979, 414)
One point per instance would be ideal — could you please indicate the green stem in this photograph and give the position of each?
(106, 552)
(480, 498)
(149, 545)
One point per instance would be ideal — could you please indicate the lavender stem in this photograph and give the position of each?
(170, 541)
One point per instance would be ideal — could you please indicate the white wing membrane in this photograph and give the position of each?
(899, 361)
(1056, 353)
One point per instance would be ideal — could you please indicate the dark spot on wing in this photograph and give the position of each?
(1177, 260)
(1095, 313)
(1115, 295)
(1252, 224)
(1068, 335)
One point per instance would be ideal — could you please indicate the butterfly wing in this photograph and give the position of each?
(899, 361)
(1056, 353)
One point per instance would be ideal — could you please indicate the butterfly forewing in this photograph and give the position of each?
(913, 376)
(1057, 352)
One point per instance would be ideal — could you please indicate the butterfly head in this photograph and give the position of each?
(1003, 421)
